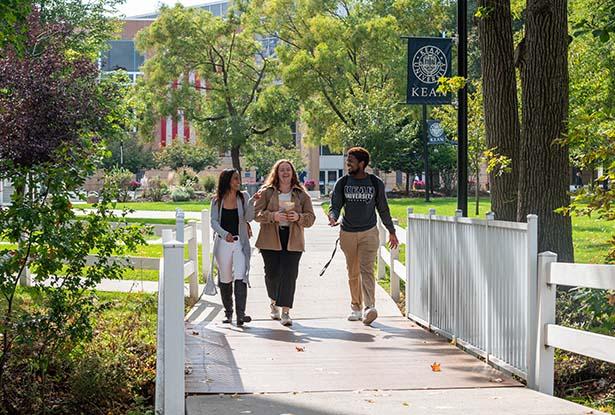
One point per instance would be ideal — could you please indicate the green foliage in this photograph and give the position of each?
(598, 19)
(198, 157)
(136, 157)
(241, 97)
(209, 184)
(91, 21)
(451, 85)
(156, 189)
(263, 155)
(117, 184)
(182, 193)
(113, 372)
(188, 177)
(12, 16)
(592, 121)
(337, 57)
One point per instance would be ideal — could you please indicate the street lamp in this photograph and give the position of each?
(462, 111)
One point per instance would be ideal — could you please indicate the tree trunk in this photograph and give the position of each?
(407, 184)
(235, 158)
(500, 101)
(544, 160)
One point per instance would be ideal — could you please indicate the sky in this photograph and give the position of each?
(137, 7)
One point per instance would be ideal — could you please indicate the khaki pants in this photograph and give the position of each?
(360, 249)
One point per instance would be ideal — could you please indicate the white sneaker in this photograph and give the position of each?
(275, 312)
(286, 321)
(355, 315)
(370, 315)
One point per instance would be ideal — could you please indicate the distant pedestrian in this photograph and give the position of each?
(284, 210)
(360, 194)
(231, 210)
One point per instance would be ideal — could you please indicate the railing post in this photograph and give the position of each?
(432, 212)
(382, 241)
(205, 244)
(546, 315)
(394, 278)
(193, 255)
(489, 285)
(179, 225)
(408, 264)
(25, 278)
(173, 321)
(458, 214)
(532, 286)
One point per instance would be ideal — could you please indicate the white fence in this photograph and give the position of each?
(474, 282)
(482, 284)
(170, 336)
(551, 336)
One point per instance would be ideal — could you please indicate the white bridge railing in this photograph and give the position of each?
(482, 284)
(474, 282)
(170, 336)
(550, 336)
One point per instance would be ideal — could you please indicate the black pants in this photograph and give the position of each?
(281, 271)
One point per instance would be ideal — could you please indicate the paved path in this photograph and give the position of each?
(327, 365)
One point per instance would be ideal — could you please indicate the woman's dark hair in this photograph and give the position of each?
(360, 154)
(224, 184)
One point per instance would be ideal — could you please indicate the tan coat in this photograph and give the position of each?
(268, 205)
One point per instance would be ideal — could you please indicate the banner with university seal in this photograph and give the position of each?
(429, 59)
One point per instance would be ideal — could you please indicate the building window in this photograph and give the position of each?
(332, 176)
(293, 133)
(269, 43)
(326, 151)
(121, 55)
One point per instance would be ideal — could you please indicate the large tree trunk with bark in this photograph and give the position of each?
(544, 159)
(500, 101)
(235, 158)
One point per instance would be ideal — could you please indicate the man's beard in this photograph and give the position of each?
(352, 171)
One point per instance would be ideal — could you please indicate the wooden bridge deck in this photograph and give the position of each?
(334, 363)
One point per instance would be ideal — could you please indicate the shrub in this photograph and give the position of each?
(209, 184)
(134, 185)
(182, 193)
(186, 177)
(156, 189)
(117, 184)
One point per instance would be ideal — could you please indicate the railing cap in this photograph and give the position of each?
(173, 244)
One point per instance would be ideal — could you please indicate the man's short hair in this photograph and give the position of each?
(360, 154)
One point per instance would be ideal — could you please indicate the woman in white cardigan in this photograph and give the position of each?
(231, 210)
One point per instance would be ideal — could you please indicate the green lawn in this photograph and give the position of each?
(160, 206)
(590, 236)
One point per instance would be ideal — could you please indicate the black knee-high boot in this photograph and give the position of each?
(226, 292)
(241, 296)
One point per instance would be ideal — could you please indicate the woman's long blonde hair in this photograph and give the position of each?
(274, 180)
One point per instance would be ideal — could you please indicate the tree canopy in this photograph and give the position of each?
(237, 96)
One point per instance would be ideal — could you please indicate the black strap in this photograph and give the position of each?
(331, 259)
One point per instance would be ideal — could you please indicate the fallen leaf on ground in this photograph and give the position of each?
(196, 333)
(454, 342)
(496, 380)
(405, 404)
(370, 401)
(300, 348)
(435, 367)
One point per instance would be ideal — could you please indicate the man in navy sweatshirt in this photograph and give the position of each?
(361, 194)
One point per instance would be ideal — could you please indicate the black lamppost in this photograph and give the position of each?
(462, 112)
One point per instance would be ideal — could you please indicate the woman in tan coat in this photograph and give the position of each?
(283, 211)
